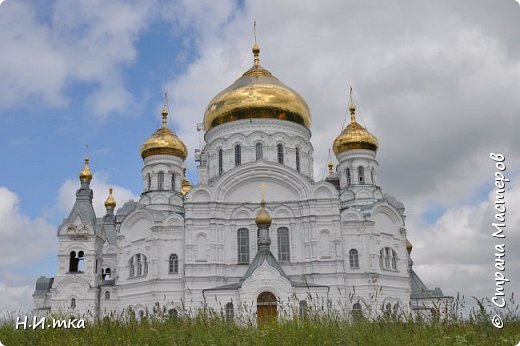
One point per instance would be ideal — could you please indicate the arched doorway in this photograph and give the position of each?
(266, 308)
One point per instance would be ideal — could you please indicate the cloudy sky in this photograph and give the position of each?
(437, 82)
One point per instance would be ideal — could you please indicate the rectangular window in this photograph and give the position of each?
(280, 153)
(160, 181)
(298, 159)
(238, 155)
(243, 246)
(283, 245)
(259, 151)
(220, 163)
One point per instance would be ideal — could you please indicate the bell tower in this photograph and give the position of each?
(79, 253)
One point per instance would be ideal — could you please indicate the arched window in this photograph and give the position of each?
(172, 313)
(138, 265)
(303, 309)
(361, 175)
(279, 149)
(107, 295)
(259, 149)
(357, 312)
(297, 159)
(141, 315)
(354, 259)
(243, 246)
(73, 303)
(73, 262)
(149, 182)
(173, 264)
(160, 181)
(172, 184)
(220, 163)
(349, 178)
(131, 265)
(388, 258)
(81, 261)
(283, 244)
(230, 311)
(238, 155)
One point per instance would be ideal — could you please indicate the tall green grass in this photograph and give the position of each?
(317, 326)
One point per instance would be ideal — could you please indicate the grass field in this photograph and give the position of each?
(316, 328)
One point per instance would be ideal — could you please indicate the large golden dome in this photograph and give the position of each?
(164, 142)
(257, 94)
(354, 136)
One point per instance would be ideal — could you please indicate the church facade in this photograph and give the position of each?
(257, 233)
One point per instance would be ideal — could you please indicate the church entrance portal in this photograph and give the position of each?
(266, 308)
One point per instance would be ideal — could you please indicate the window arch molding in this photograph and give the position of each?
(388, 258)
(137, 265)
(173, 264)
(354, 258)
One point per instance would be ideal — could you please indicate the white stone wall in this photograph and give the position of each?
(247, 133)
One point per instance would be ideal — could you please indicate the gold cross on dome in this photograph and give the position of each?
(263, 187)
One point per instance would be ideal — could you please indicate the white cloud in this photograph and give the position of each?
(24, 241)
(100, 185)
(15, 299)
(458, 252)
(81, 41)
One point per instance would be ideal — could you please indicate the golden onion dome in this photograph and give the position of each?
(257, 94)
(354, 136)
(186, 185)
(85, 176)
(409, 246)
(164, 141)
(110, 202)
(263, 218)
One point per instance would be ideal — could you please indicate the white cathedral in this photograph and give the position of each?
(223, 244)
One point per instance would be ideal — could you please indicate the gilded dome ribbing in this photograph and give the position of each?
(257, 94)
(354, 136)
(164, 142)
